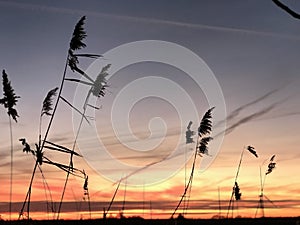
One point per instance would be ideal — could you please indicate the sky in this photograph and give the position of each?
(170, 62)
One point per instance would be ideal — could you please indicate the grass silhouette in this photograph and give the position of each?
(9, 101)
(201, 147)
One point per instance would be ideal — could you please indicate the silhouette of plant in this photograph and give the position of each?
(269, 170)
(105, 212)
(189, 134)
(204, 131)
(252, 150)
(271, 165)
(86, 191)
(47, 108)
(97, 86)
(40, 158)
(97, 89)
(9, 101)
(237, 193)
(234, 188)
(38, 153)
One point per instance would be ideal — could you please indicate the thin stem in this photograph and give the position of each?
(235, 179)
(40, 131)
(185, 173)
(112, 200)
(189, 182)
(54, 110)
(124, 198)
(143, 200)
(188, 198)
(71, 157)
(63, 193)
(11, 167)
(46, 186)
(261, 182)
(219, 198)
(56, 103)
(28, 195)
(89, 203)
(239, 166)
(261, 196)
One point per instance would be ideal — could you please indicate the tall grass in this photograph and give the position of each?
(38, 153)
(9, 101)
(97, 86)
(270, 168)
(236, 189)
(49, 108)
(204, 131)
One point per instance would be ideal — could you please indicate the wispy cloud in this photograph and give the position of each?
(248, 118)
(37, 7)
(237, 111)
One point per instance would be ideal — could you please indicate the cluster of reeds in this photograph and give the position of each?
(201, 147)
(38, 152)
(97, 89)
(236, 194)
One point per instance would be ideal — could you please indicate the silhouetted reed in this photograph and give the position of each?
(39, 156)
(204, 131)
(270, 168)
(9, 101)
(97, 86)
(105, 212)
(236, 188)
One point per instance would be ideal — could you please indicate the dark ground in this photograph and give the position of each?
(240, 221)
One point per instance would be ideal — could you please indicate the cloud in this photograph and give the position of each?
(37, 7)
(247, 119)
(237, 111)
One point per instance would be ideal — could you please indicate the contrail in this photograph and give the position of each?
(147, 166)
(227, 131)
(247, 119)
(237, 111)
(279, 116)
(34, 7)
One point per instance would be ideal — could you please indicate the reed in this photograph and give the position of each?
(97, 86)
(236, 189)
(9, 101)
(201, 147)
(38, 152)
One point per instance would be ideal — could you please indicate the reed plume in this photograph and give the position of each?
(269, 170)
(271, 165)
(48, 102)
(98, 86)
(234, 193)
(9, 101)
(38, 153)
(204, 131)
(189, 134)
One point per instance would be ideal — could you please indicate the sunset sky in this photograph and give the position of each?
(248, 54)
